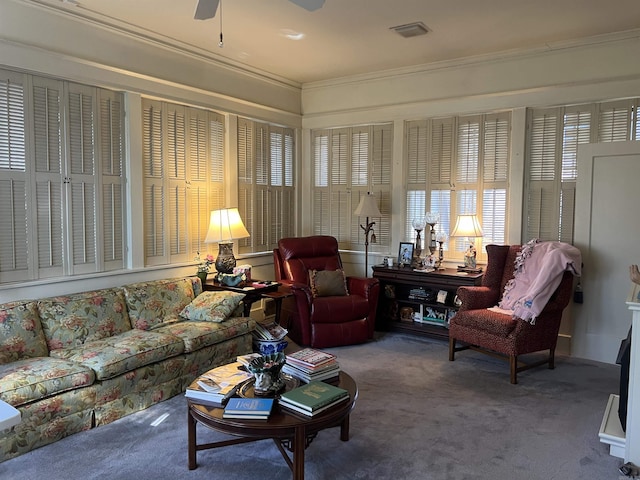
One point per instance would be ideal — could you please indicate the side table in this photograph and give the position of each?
(253, 291)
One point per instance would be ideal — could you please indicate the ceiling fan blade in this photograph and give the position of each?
(310, 5)
(206, 9)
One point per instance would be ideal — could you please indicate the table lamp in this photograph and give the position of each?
(468, 226)
(367, 208)
(225, 226)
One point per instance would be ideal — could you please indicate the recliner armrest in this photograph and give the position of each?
(361, 286)
(478, 297)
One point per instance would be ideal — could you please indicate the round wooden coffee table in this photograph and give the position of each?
(289, 431)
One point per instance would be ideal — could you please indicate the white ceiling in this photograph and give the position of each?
(348, 37)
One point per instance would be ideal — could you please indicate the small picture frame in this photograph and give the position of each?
(442, 296)
(405, 254)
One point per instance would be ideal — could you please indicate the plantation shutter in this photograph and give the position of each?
(321, 189)
(554, 137)
(617, 121)
(47, 106)
(347, 163)
(495, 163)
(266, 184)
(112, 159)
(205, 173)
(417, 162)
(14, 254)
(154, 194)
(246, 159)
(544, 145)
(380, 177)
(81, 154)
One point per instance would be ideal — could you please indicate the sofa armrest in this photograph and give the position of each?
(477, 297)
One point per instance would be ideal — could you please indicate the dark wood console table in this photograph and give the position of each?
(429, 296)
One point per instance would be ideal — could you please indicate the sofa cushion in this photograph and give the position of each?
(327, 283)
(152, 304)
(21, 334)
(122, 353)
(212, 306)
(197, 335)
(71, 320)
(28, 380)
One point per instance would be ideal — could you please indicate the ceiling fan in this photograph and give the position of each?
(207, 8)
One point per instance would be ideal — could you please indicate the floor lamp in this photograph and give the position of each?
(367, 208)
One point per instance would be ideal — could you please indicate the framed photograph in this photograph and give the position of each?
(405, 254)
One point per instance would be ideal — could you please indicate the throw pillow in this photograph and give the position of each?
(212, 306)
(328, 283)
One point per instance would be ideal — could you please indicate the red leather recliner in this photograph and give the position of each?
(323, 321)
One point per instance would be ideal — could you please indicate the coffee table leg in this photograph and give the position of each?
(298, 453)
(344, 429)
(191, 439)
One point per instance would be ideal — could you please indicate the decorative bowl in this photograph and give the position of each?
(266, 370)
(267, 347)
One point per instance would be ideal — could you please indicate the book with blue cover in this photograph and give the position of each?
(251, 408)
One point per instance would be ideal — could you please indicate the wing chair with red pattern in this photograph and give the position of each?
(492, 332)
(328, 308)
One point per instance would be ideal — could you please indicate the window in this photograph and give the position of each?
(553, 136)
(459, 165)
(348, 163)
(266, 157)
(61, 154)
(183, 158)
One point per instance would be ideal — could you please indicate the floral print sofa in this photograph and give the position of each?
(71, 363)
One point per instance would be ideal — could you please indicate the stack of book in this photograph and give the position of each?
(248, 408)
(245, 360)
(218, 384)
(311, 365)
(270, 332)
(313, 398)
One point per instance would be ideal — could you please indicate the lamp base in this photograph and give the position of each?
(225, 262)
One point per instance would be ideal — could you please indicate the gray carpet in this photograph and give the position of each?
(418, 416)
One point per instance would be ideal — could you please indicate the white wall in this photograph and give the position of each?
(601, 69)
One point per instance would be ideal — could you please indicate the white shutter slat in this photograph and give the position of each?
(47, 127)
(12, 122)
(543, 134)
(441, 152)
(49, 221)
(339, 160)
(14, 247)
(152, 143)
(416, 139)
(615, 121)
(360, 157)
(112, 225)
(154, 221)
(381, 163)
(468, 150)
(81, 152)
(321, 159)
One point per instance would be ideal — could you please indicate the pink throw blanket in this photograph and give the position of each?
(539, 270)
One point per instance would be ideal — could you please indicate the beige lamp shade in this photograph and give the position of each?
(367, 207)
(225, 226)
(467, 226)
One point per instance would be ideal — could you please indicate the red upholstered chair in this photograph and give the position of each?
(491, 332)
(323, 321)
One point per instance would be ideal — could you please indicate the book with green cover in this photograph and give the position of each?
(314, 395)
